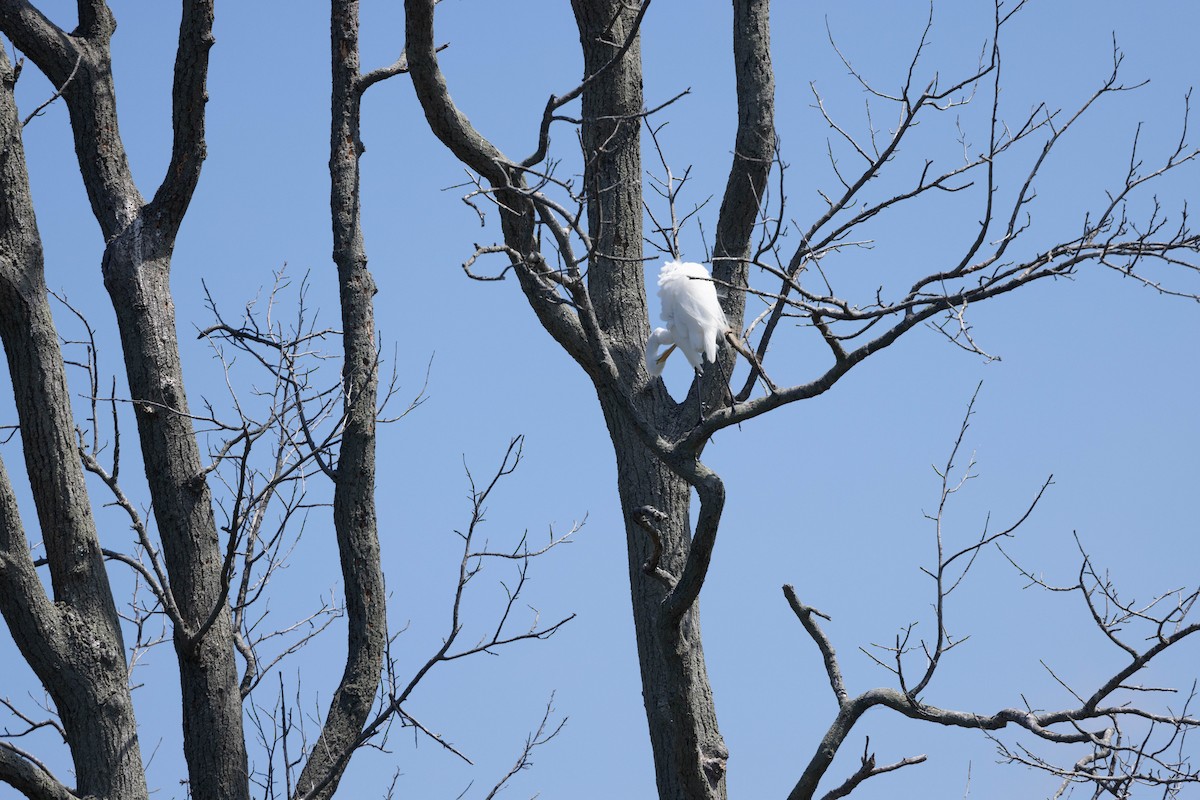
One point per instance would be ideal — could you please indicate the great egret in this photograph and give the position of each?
(695, 321)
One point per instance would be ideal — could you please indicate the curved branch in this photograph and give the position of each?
(49, 46)
(189, 95)
(37, 112)
(445, 120)
(555, 102)
(711, 492)
(72, 643)
(518, 216)
(397, 67)
(354, 514)
(805, 614)
(89, 95)
(33, 620)
(1062, 259)
(158, 582)
(1039, 724)
(868, 769)
(753, 152)
(30, 777)
(911, 109)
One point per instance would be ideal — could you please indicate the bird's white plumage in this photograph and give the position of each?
(692, 312)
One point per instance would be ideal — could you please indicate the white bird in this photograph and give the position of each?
(695, 321)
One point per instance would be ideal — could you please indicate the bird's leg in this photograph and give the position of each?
(700, 392)
(725, 379)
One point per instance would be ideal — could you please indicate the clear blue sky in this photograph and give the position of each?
(1097, 385)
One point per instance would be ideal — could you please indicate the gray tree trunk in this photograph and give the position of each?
(604, 328)
(74, 644)
(136, 274)
(140, 237)
(354, 487)
(689, 753)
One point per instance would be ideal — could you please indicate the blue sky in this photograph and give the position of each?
(1097, 385)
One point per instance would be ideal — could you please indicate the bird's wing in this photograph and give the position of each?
(672, 291)
(695, 344)
(691, 309)
(706, 322)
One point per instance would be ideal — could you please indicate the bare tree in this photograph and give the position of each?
(578, 254)
(139, 238)
(227, 483)
(224, 519)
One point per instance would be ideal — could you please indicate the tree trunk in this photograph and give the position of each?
(354, 517)
(136, 274)
(689, 753)
(139, 240)
(74, 645)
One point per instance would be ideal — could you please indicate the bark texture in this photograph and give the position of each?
(139, 240)
(753, 153)
(604, 327)
(74, 644)
(354, 489)
(689, 753)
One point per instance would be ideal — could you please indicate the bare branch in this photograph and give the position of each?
(189, 94)
(555, 102)
(868, 769)
(397, 693)
(543, 735)
(29, 776)
(37, 112)
(805, 614)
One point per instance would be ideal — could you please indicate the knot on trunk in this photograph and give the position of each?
(714, 757)
(648, 518)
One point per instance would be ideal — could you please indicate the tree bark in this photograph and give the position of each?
(689, 753)
(607, 336)
(136, 274)
(74, 645)
(753, 155)
(139, 240)
(354, 516)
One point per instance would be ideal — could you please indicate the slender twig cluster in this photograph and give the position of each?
(1127, 744)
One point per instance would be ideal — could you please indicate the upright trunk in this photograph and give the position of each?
(136, 274)
(74, 645)
(607, 336)
(354, 517)
(81, 660)
(689, 753)
(139, 238)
